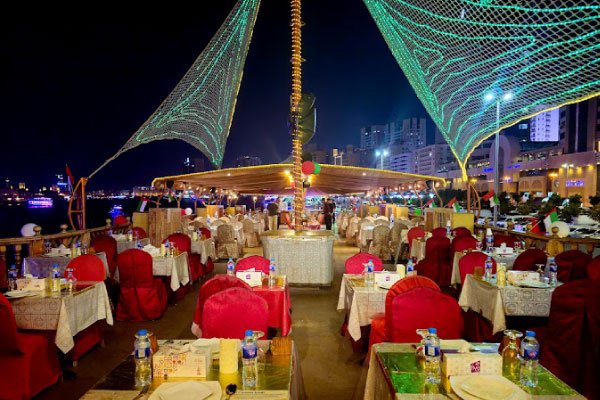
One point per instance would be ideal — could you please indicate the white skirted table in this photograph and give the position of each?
(306, 258)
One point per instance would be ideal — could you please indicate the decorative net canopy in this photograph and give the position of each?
(481, 66)
(200, 109)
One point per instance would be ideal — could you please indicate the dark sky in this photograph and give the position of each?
(75, 89)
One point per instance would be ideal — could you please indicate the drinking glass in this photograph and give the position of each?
(541, 270)
(47, 246)
(517, 246)
(510, 353)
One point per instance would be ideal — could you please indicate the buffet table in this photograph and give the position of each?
(306, 258)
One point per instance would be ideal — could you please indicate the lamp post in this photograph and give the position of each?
(381, 154)
(506, 97)
(254, 199)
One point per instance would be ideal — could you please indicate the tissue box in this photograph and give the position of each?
(183, 365)
(518, 276)
(471, 363)
(252, 278)
(31, 284)
(388, 278)
(504, 250)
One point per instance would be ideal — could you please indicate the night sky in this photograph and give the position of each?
(75, 89)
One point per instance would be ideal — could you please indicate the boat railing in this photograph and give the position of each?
(14, 250)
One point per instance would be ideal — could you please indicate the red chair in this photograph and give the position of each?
(414, 233)
(436, 265)
(356, 263)
(142, 297)
(593, 269)
(108, 245)
(29, 361)
(499, 239)
(259, 263)
(463, 243)
(439, 232)
(210, 287)
(3, 275)
(205, 232)
(120, 220)
(527, 260)
(183, 243)
(229, 313)
(461, 231)
(209, 267)
(140, 233)
(468, 262)
(87, 268)
(572, 265)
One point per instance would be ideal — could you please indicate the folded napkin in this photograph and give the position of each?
(212, 344)
(153, 251)
(119, 236)
(190, 390)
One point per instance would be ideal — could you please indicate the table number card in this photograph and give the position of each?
(252, 278)
(386, 278)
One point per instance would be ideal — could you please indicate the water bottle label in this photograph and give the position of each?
(249, 351)
(143, 351)
(553, 268)
(432, 351)
(531, 354)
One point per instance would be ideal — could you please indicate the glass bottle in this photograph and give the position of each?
(510, 355)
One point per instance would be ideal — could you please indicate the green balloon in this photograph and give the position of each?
(317, 169)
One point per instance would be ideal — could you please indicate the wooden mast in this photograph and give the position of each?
(296, 24)
(77, 205)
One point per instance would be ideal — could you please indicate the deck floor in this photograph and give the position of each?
(330, 368)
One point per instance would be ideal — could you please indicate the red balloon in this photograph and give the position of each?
(308, 167)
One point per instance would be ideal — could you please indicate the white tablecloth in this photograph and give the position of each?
(360, 303)
(206, 248)
(305, 260)
(417, 249)
(508, 260)
(67, 314)
(123, 245)
(41, 266)
(496, 303)
(175, 267)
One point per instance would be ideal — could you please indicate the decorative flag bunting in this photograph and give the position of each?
(451, 202)
(535, 227)
(170, 197)
(456, 207)
(430, 204)
(551, 217)
(70, 179)
(495, 201)
(141, 207)
(488, 195)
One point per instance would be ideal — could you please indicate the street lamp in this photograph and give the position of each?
(381, 154)
(506, 97)
(254, 198)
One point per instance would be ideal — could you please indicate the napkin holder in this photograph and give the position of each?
(471, 363)
(504, 251)
(31, 284)
(181, 362)
(386, 278)
(252, 278)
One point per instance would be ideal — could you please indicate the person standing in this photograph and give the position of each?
(328, 209)
(273, 210)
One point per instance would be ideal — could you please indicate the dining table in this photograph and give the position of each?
(508, 260)
(205, 247)
(41, 266)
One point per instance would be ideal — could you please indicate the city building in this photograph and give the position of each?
(247, 161)
(400, 162)
(372, 137)
(545, 127)
(430, 159)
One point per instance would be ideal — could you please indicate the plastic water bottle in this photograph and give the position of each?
(410, 267)
(230, 267)
(55, 279)
(552, 271)
(488, 269)
(432, 356)
(142, 355)
(12, 278)
(489, 239)
(130, 235)
(370, 277)
(71, 280)
(272, 273)
(530, 354)
(249, 360)
(139, 244)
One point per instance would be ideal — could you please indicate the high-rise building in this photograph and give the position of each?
(545, 127)
(400, 162)
(429, 160)
(247, 161)
(580, 126)
(372, 137)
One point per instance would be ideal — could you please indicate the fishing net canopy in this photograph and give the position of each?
(467, 60)
(200, 108)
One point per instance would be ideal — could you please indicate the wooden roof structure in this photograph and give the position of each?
(277, 179)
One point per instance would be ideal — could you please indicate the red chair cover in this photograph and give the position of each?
(29, 361)
(205, 232)
(414, 233)
(3, 275)
(423, 308)
(572, 265)
(108, 245)
(439, 232)
(469, 261)
(121, 220)
(499, 239)
(356, 263)
(591, 383)
(88, 267)
(139, 232)
(593, 269)
(259, 263)
(229, 313)
(461, 231)
(462, 243)
(209, 267)
(215, 285)
(142, 297)
(183, 243)
(527, 260)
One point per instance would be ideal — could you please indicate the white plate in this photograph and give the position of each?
(196, 390)
(486, 387)
(15, 294)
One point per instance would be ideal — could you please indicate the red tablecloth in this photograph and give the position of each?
(280, 306)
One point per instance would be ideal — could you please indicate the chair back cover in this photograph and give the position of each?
(139, 232)
(381, 235)
(212, 286)
(120, 220)
(421, 308)
(248, 226)
(414, 233)
(527, 260)
(356, 263)
(469, 261)
(593, 269)
(88, 267)
(135, 269)
(181, 241)
(225, 234)
(227, 314)
(500, 238)
(259, 263)
(437, 264)
(462, 243)
(108, 245)
(382, 221)
(9, 343)
(439, 232)
(572, 265)
(461, 231)
(206, 232)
